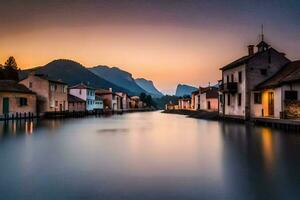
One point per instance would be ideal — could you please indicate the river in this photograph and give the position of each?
(147, 156)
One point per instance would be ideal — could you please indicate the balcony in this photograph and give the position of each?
(230, 87)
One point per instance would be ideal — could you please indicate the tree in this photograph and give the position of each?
(10, 70)
(143, 96)
(11, 63)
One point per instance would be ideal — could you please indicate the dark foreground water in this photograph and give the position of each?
(147, 156)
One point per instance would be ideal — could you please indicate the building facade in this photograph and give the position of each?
(98, 103)
(52, 95)
(209, 98)
(195, 100)
(184, 103)
(76, 104)
(111, 101)
(125, 100)
(16, 98)
(240, 77)
(86, 93)
(278, 97)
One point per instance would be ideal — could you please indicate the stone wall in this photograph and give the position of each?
(292, 109)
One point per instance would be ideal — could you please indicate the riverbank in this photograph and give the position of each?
(68, 114)
(199, 114)
(284, 124)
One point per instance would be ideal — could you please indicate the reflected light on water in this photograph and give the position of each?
(268, 148)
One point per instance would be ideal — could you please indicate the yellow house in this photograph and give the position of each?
(278, 97)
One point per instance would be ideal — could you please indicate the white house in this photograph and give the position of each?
(278, 97)
(98, 103)
(184, 103)
(86, 93)
(241, 76)
(195, 100)
(208, 97)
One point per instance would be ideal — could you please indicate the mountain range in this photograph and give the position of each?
(183, 90)
(73, 73)
(118, 77)
(149, 87)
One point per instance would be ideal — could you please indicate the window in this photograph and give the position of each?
(51, 103)
(30, 84)
(240, 77)
(80, 91)
(239, 99)
(52, 88)
(64, 89)
(55, 87)
(263, 72)
(232, 78)
(221, 99)
(269, 58)
(257, 98)
(228, 99)
(227, 78)
(23, 101)
(56, 103)
(291, 95)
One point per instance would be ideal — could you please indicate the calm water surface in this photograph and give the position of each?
(147, 156)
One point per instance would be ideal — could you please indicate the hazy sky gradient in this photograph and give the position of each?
(167, 41)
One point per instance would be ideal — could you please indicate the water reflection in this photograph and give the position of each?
(268, 148)
(26, 127)
(146, 156)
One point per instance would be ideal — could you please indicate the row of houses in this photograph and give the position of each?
(205, 98)
(40, 94)
(262, 84)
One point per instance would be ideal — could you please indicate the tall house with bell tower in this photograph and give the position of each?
(241, 76)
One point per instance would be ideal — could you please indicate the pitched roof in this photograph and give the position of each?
(288, 73)
(195, 92)
(238, 62)
(103, 91)
(13, 86)
(72, 98)
(211, 92)
(262, 44)
(81, 86)
(245, 59)
(48, 78)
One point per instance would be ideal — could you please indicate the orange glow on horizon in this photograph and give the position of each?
(164, 54)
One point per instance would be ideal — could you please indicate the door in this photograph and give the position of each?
(5, 105)
(60, 107)
(208, 105)
(271, 103)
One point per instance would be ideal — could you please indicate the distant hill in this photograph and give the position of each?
(149, 87)
(73, 73)
(118, 77)
(183, 89)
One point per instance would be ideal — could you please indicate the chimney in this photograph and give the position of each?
(110, 89)
(251, 50)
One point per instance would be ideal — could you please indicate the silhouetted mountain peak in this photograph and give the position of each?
(149, 87)
(117, 76)
(183, 89)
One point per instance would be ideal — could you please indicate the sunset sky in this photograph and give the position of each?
(167, 41)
